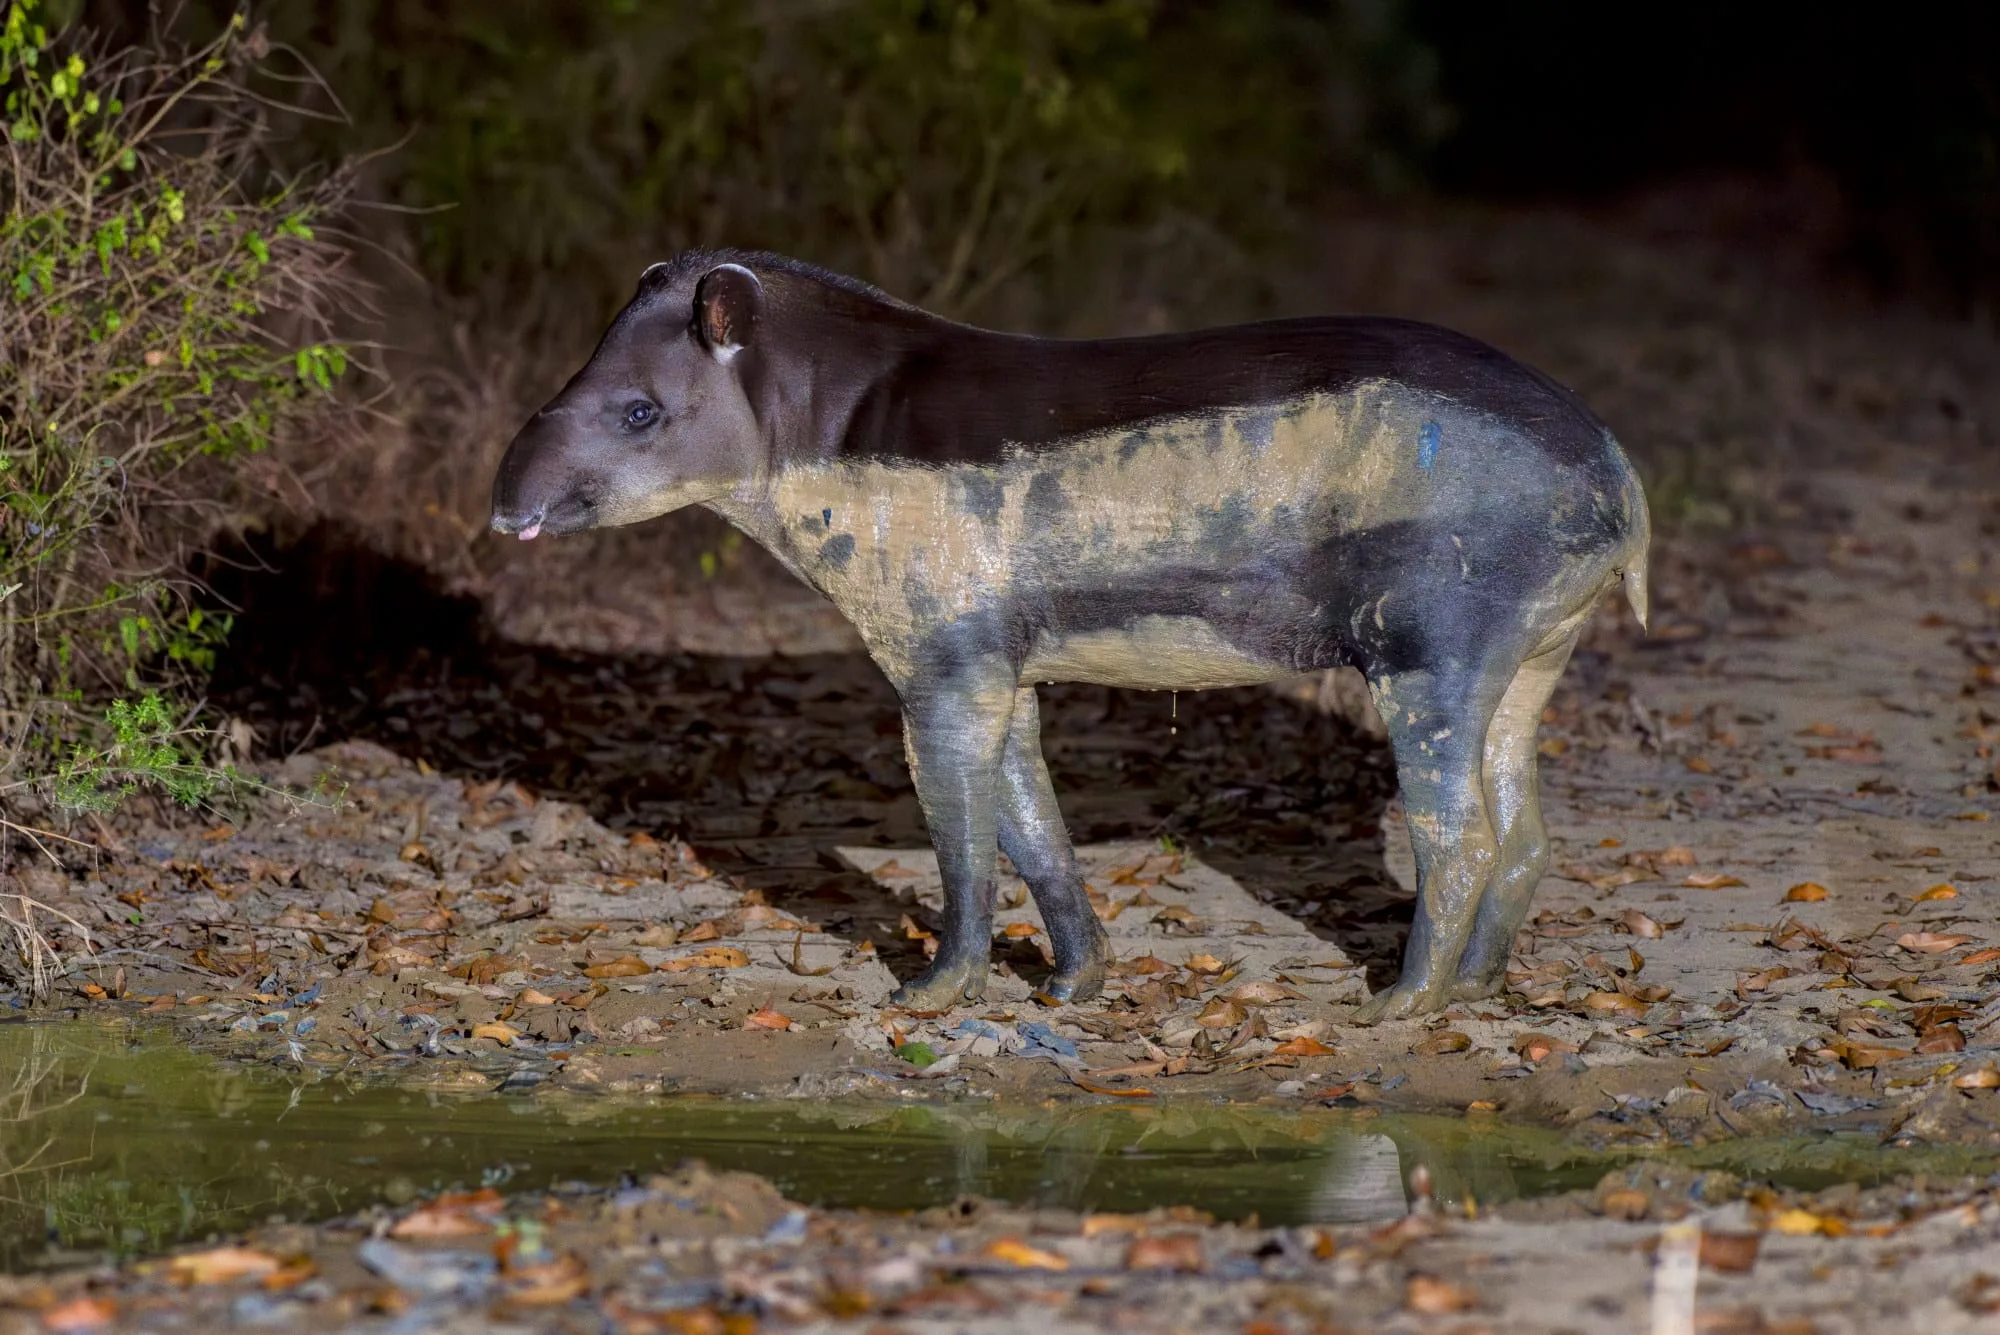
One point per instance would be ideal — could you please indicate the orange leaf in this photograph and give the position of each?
(1939, 892)
(1439, 1044)
(1205, 964)
(1638, 924)
(1436, 1297)
(1709, 880)
(1016, 930)
(625, 966)
(503, 1034)
(1013, 1251)
(768, 1019)
(1613, 1003)
(1931, 943)
(1806, 892)
(1180, 1252)
(550, 1283)
(712, 957)
(84, 1313)
(1986, 956)
(1302, 1046)
(223, 1264)
(453, 1215)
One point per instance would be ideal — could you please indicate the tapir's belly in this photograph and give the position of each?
(1158, 653)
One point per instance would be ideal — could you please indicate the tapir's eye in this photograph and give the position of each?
(641, 414)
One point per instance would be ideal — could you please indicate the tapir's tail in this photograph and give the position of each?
(1638, 539)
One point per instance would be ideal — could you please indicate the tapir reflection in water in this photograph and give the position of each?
(1173, 512)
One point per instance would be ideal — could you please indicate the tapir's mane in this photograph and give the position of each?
(670, 274)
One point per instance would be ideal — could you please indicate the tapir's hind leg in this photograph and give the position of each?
(1513, 794)
(1033, 835)
(1437, 724)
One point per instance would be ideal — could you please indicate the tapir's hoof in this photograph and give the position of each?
(1083, 981)
(1477, 987)
(943, 986)
(1400, 1003)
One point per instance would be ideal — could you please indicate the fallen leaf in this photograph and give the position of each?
(1941, 1038)
(1675, 855)
(1205, 964)
(1221, 1013)
(550, 1283)
(1866, 1056)
(221, 1265)
(1013, 1251)
(1700, 764)
(1986, 956)
(658, 936)
(1537, 1047)
(1262, 993)
(1983, 1078)
(1615, 1003)
(710, 957)
(453, 1215)
(531, 996)
(501, 1033)
(893, 870)
(1441, 1043)
(1181, 1252)
(1302, 1047)
(1730, 1253)
(85, 1313)
(1638, 924)
(1932, 943)
(1806, 892)
(1436, 1297)
(1017, 930)
(1481, 1106)
(1141, 965)
(625, 966)
(1796, 1223)
(1625, 1203)
(768, 1019)
(917, 1054)
(1709, 880)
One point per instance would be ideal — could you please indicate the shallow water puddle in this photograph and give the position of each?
(118, 1138)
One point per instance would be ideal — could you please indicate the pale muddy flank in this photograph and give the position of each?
(118, 1140)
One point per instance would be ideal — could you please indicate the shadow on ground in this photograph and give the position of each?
(765, 764)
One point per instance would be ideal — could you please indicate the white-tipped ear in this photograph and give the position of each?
(728, 305)
(654, 268)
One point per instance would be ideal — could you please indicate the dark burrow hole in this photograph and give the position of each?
(765, 764)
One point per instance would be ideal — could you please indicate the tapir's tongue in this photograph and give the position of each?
(531, 530)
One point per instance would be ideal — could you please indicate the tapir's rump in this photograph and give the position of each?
(1174, 512)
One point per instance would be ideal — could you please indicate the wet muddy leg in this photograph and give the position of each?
(955, 735)
(1513, 793)
(1033, 835)
(1437, 726)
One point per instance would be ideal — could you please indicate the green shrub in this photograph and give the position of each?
(954, 151)
(167, 312)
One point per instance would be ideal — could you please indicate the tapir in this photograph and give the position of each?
(1173, 512)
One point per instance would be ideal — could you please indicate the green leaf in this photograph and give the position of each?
(917, 1054)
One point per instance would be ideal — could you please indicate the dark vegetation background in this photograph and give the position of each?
(1746, 233)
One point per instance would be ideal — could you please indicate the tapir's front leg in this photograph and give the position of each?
(1033, 835)
(955, 734)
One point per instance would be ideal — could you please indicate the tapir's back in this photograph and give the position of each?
(1238, 495)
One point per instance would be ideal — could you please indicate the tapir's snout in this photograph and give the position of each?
(535, 488)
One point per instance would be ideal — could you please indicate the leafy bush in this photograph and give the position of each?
(167, 312)
(954, 151)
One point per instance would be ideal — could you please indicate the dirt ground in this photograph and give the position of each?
(601, 865)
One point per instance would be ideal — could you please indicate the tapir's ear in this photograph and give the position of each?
(728, 303)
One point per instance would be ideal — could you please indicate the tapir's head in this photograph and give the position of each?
(660, 417)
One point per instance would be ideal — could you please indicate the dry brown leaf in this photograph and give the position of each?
(1932, 943)
(1441, 1043)
(1614, 1003)
(1986, 956)
(453, 1215)
(1806, 892)
(1866, 1056)
(1205, 964)
(84, 1312)
(768, 1019)
(221, 1265)
(1640, 925)
(658, 936)
(1437, 1297)
(625, 966)
(1536, 1047)
(1939, 892)
(710, 957)
(1180, 1252)
(1983, 1078)
(1142, 964)
(1302, 1047)
(1941, 1038)
(550, 1283)
(501, 1033)
(1013, 1251)
(1221, 1013)
(1262, 993)
(1017, 930)
(1730, 1253)
(1709, 880)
